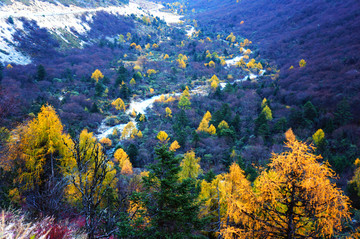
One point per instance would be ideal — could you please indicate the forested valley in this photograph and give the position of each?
(179, 119)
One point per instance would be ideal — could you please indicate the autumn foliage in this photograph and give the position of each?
(294, 198)
(38, 148)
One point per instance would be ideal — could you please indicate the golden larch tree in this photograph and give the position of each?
(214, 85)
(132, 82)
(168, 112)
(204, 124)
(129, 131)
(39, 148)
(318, 137)
(120, 156)
(302, 63)
(174, 146)
(294, 198)
(162, 136)
(212, 129)
(96, 75)
(223, 125)
(127, 168)
(119, 104)
(267, 112)
(92, 177)
(190, 166)
(106, 142)
(211, 64)
(151, 72)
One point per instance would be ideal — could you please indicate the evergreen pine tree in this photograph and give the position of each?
(41, 73)
(124, 92)
(261, 125)
(310, 112)
(343, 113)
(236, 123)
(171, 204)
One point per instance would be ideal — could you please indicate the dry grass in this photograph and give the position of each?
(13, 226)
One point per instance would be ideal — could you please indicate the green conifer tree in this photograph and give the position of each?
(170, 204)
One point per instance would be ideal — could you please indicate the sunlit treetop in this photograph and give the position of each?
(96, 75)
(302, 63)
(162, 137)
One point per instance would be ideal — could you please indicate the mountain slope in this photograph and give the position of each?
(80, 3)
(70, 26)
(325, 33)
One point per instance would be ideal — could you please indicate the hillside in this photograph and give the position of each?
(79, 3)
(64, 26)
(324, 33)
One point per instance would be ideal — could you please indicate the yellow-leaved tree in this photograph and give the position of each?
(214, 85)
(132, 82)
(302, 63)
(168, 112)
(106, 142)
(127, 168)
(174, 146)
(214, 82)
(186, 92)
(182, 61)
(204, 124)
(92, 176)
(163, 137)
(294, 198)
(319, 137)
(119, 104)
(38, 149)
(223, 125)
(239, 204)
(213, 196)
(212, 129)
(96, 75)
(190, 166)
(151, 72)
(120, 157)
(267, 112)
(129, 131)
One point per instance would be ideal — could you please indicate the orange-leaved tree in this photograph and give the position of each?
(294, 198)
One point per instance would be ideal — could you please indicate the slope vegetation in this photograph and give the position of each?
(324, 33)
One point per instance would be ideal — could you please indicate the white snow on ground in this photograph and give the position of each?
(56, 16)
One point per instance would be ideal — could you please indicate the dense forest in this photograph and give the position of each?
(238, 121)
